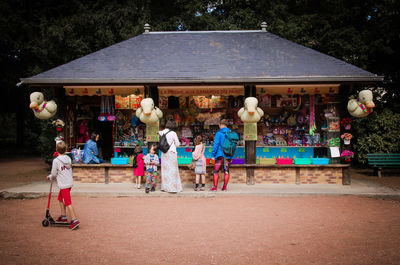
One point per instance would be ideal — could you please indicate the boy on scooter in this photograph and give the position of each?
(62, 170)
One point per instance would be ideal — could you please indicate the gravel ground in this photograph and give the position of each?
(219, 230)
(22, 170)
(187, 230)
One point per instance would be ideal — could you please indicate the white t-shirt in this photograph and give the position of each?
(172, 139)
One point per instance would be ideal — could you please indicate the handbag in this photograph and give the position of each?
(192, 164)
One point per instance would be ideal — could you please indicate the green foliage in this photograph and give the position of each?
(46, 144)
(8, 129)
(39, 35)
(377, 133)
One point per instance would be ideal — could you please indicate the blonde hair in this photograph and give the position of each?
(61, 147)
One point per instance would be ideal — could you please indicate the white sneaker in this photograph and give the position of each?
(138, 186)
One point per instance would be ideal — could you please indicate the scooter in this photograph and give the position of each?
(48, 219)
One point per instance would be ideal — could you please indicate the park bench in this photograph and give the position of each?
(379, 161)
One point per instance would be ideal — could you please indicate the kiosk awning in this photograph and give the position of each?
(200, 90)
(103, 90)
(308, 89)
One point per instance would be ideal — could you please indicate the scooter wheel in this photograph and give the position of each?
(45, 222)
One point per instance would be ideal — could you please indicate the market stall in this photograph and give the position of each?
(294, 139)
(301, 92)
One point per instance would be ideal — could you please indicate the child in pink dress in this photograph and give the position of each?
(200, 169)
(138, 172)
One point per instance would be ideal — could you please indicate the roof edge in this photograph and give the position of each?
(203, 31)
(49, 81)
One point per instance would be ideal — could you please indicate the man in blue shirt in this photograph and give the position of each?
(218, 155)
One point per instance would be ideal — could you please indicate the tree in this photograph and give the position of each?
(40, 35)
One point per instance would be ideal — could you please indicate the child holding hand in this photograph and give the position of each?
(200, 169)
(151, 161)
(62, 171)
(138, 172)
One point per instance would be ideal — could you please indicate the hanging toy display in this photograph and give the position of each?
(362, 106)
(106, 109)
(148, 113)
(313, 127)
(250, 113)
(110, 109)
(42, 109)
(102, 116)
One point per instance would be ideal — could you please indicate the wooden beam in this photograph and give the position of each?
(297, 176)
(346, 179)
(250, 158)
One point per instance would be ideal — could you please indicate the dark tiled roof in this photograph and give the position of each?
(197, 57)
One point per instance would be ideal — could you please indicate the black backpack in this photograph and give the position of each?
(134, 164)
(164, 145)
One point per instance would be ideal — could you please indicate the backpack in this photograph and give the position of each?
(230, 143)
(134, 162)
(164, 145)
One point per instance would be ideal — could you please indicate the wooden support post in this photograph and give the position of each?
(250, 158)
(346, 179)
(297, 176)
(250, 146)
(152, 92)
(106, 177)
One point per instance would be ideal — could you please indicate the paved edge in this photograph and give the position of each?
(35, 195)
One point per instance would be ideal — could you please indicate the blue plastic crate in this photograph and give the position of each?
(120, 160)
(320, 161)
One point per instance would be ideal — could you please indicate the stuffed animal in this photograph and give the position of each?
(291, 121)
(250, 112)
(148, 113)
(41, 108)
(362, 106)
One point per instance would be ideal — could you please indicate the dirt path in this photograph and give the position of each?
(20, 171)
(391, 177)
(220, 230)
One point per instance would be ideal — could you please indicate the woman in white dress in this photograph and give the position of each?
(170, 178)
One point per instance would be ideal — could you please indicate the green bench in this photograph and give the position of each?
(379, 161)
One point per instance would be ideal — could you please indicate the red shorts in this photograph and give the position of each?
(65, 197)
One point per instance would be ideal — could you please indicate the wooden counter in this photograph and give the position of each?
(239, 173)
